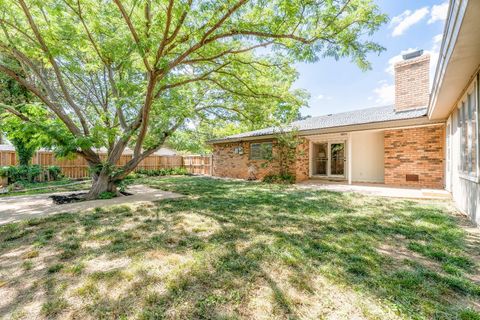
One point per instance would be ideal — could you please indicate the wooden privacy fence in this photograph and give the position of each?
(77, 167)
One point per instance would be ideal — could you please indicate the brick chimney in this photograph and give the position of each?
(412, 81)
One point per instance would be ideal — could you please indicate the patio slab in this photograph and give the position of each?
(17, 208)
(377, 189)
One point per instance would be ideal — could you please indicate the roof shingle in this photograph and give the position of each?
(356, 117)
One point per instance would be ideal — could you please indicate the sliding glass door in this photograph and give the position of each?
(337, 159)
(329, 159)
(321, 159)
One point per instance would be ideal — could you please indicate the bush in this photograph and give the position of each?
(106, 195)
(21, 173)
(279, 178)
(33, 173)
(163, 172)
(54, 172)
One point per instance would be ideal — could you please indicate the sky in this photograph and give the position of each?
(338, 86)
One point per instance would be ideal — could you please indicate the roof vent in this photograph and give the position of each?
(412, 55)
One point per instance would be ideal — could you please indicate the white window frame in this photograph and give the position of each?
(329, 143)
(448, 154)
(344, 142)
(465, 160)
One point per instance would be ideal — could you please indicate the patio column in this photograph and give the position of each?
(349, 158)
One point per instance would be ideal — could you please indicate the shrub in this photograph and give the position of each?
(284, 156)
(21, 173)
(32, 173)
(131, 176)
(54, 172)
(279, 178)
(106, 195)
(163, 172)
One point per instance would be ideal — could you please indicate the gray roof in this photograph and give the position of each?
(363, 116)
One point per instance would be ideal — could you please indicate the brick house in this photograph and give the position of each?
(427, 139)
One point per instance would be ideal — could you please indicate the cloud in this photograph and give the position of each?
(323, 97)
(438, 12)
(438, 38)
(384, 93)
(434, 54)
(407, 19)
(397, 58)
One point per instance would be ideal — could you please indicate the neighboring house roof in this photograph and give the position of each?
(356, 117)
(6, 147)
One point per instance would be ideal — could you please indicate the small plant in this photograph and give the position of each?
(279, 178)
(106, 195)
(163, 172)
(54, 307)
(27, 265)
(30, 254)
(76, 269)
(55, 268)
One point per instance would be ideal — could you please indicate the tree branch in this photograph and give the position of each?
(56, 69)
(199, 78)
(134, 33)
(164, 41)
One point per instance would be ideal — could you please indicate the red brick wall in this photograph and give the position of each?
(226, 163)
(302, 167)
(416, 151)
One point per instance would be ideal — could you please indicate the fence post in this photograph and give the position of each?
(211, 165)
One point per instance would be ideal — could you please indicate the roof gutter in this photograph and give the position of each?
(391, 124)
(456, 12)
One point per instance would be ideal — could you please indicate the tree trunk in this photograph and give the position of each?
(102, 182)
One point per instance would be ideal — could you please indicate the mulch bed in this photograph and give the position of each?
(68, 198)
(75, 197)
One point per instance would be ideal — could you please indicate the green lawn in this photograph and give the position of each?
(240, 250)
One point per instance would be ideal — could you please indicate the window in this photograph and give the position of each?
(260, 151)
(468, 125)
(473, 133)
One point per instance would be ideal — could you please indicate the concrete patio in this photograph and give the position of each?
(17, 208)
(376, 189)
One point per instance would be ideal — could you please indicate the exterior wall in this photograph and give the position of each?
(226, 163)
(465, 191)
(367, 157)
(415, 151)
(412, 79)
(302, 165)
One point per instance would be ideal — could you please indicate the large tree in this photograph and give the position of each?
(129, 73)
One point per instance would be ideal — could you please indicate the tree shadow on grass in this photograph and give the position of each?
(411, 256)
(342, 233)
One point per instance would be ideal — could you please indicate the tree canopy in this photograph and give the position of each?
(121, 73)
